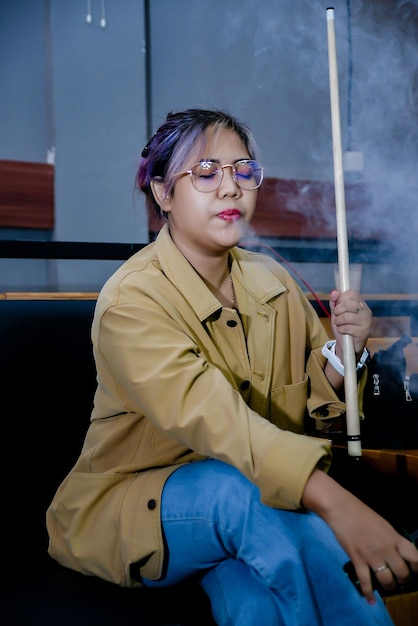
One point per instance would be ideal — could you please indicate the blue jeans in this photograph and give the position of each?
(258, 565)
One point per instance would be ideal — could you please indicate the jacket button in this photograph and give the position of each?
(245, 385)
(231, 323)
(152, 504)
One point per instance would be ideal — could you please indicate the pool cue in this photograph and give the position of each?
(350, 372)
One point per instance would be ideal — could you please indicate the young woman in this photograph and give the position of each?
(196, 463)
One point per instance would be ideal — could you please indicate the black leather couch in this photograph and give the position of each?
(47, 379)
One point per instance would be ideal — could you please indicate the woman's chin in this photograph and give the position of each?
(231, 236)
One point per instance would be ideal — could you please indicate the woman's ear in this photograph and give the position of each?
(162, 198)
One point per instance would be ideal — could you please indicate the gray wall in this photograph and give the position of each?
(79, 89)
(85, 90)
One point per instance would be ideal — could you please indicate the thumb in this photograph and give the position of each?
(333, 297)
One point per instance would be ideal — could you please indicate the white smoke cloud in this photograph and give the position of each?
(377, 48)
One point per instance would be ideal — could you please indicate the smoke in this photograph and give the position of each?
(384, 125)
(377, 49)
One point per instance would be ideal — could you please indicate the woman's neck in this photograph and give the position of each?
(223, 290)
(215, 271)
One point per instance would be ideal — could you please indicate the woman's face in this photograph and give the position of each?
(210, 222)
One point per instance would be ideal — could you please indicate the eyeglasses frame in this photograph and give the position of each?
(221, 170)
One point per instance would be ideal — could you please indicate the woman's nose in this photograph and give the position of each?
(228, 183)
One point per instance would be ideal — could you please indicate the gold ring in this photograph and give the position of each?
(360, 308)
(380, 569)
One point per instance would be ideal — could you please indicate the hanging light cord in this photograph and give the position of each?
(89, 17)
(103, 18)
(89, 14)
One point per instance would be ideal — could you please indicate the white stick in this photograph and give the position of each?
(350, 373)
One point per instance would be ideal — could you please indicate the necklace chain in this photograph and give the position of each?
(232, 291)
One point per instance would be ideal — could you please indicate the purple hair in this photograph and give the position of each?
(168, 149)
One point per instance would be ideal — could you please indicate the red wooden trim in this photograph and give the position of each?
(306, 209)
(26, 195)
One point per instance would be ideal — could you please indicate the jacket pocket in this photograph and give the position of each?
(288, 406)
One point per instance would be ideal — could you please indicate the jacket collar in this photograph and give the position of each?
(254, 277)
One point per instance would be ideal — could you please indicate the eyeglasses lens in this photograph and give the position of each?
(249, 174)
(207, 175)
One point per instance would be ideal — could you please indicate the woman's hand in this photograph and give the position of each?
(350, 315)
(369, 540)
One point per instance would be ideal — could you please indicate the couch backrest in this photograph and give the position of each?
(48, 380)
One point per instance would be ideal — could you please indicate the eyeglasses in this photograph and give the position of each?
(207, 175)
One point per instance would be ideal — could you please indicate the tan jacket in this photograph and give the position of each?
(180, 379)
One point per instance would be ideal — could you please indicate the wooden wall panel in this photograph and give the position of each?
(306, 209)
(26, 195)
